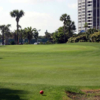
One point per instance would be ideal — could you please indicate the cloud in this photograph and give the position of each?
(43, 21)
(21, 1)
(33, 1)
(1, 8)
(72, 6)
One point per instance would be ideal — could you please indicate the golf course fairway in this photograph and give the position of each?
(55, 69)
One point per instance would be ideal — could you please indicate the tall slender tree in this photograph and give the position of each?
(64, 18)
(21, 31)
(69, 25)
(86, 26)
(17, 14)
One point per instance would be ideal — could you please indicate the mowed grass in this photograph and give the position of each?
(52, 68)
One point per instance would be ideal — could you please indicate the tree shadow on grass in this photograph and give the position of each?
(9, 94)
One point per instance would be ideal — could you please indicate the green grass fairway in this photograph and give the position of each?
(27, 69)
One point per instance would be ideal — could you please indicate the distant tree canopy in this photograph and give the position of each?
(63, 34)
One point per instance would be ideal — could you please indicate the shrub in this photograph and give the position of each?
(95, 37)
(82, 41)
(78, 38)
(71, 40)
(12, 43)
(48, 42)
(41, 43)
(26, 43)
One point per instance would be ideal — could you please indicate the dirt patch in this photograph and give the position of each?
(87, 95)
(91, 91)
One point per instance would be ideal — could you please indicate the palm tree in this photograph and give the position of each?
(48, 35)
(21, 31)
(68, 25)
(36, 34)
(2, 30)
(86, 26)
(5, 32)
(17, 14)
(64, 18)
(28, 33)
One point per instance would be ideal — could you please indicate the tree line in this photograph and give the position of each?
(63, 34)
(19, 33)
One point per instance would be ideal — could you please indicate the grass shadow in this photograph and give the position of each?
(9, 94)
(44, 95)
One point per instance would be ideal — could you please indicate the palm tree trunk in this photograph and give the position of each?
(15, 37)
(21, 37)
(6, 39)
(17, 33)
(3, 38)
(29, 41)
(69, 33)
(64, 33)
(36, 39)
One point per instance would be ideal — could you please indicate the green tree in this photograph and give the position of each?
(64, 18)
(86, 26)
(36, 34)
(48, 36)
(5, 32)
(70, 28)
(59, 36)
(69, 25)
(21, 33)
(28, 33)
(17, 14)
(0, 36)
(2, 31)
(89, 32)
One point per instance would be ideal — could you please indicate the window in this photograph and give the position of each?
(89, 1)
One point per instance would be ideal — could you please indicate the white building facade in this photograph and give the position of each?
(88, 12)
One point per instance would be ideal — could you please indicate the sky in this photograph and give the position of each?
(39, 14)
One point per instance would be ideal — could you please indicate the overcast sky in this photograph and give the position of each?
(40, 14)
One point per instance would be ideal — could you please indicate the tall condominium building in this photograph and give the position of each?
(88, 11)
